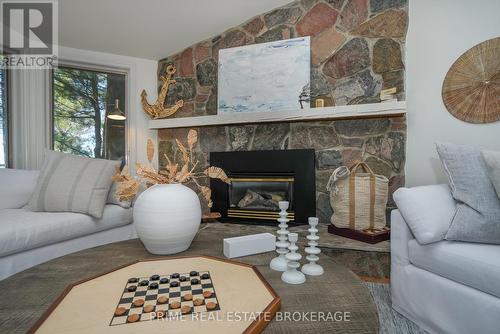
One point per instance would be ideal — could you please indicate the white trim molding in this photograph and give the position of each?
(386, 109)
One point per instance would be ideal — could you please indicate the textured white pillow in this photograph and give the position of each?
(16, 187)
(478, 209)
(428, 211)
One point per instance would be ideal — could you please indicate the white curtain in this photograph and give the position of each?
(30, 104)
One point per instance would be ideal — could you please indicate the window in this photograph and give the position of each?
(82, 101)
(4, 135)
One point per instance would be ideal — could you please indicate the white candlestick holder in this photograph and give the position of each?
(292, 275)
(279, 263)
(312, 268)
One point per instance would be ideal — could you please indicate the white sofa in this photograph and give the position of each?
(443, 286)
(29, 238)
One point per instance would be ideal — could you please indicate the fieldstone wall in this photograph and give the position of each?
(380, 142)
(356, 49)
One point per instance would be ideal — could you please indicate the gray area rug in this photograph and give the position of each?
(390, 321)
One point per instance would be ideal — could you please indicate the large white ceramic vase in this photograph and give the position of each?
(167, 218)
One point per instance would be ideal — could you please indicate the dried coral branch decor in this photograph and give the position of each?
(158, 110)
(148, 175)
(167, 214)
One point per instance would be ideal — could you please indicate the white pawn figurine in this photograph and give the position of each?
(279, 263)
(292, 275)
(312, 268)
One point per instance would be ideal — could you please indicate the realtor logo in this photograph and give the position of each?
(29, 33)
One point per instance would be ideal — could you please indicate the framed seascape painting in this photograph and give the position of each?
(270, 76)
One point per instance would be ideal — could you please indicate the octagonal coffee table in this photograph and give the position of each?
(337, 301)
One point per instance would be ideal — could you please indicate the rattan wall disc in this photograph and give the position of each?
(471, 88)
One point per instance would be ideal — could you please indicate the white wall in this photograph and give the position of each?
(439, 32)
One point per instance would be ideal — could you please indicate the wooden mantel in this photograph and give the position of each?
(372, 110)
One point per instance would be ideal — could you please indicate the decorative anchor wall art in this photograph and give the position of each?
(157, 110)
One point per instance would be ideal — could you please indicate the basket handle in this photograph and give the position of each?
(340, 173)
(363, 165)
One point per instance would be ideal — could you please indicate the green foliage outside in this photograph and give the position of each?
(81, 100)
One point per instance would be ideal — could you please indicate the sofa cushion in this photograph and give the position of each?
(70, 183)
(472, 264)
(478, 211)
(428, 211)
(21, 229)
(17, 187)
(492, 160)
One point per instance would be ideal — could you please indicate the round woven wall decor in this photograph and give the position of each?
(471, 88)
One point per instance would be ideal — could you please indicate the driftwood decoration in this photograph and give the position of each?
(471, 88)
(157, 110)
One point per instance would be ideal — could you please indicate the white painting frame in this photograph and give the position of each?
(265, 77)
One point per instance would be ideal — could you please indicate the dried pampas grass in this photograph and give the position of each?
(216, 173)
(150, 150)
(130, 186)
(192, 138)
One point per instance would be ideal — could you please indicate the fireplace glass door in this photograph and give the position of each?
(257, 197)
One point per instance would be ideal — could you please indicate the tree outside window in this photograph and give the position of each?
(81, 101)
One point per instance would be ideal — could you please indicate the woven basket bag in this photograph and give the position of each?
(358, 199)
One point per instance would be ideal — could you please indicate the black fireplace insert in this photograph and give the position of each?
(261, 179)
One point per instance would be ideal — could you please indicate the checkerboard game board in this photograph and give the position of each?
(141, 299)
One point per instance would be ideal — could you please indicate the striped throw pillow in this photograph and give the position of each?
(70, 183)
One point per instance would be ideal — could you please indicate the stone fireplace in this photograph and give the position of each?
(378, 141)
(357, 50)
(259, 180)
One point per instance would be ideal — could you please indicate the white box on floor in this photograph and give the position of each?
(249, 244)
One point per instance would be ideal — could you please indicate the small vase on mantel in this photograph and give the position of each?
(167, 218)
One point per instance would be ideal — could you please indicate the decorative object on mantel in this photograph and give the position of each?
(312, 268)
(167, 214)
(388, 95)
(472, 85)
(323, 101)
(292, 275)
(271, 76)
(359, 204)
(158, 110)
(319, 103)
(280, 263)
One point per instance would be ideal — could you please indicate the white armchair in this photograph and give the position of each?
(443, 286)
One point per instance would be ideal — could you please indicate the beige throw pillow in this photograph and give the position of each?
(70, 183)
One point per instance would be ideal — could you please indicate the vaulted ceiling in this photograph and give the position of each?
(151, 29)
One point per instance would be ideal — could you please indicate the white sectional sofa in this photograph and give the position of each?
(443, 286)
(29, 238)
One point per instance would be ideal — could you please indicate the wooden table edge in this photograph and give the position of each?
(256, 327)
